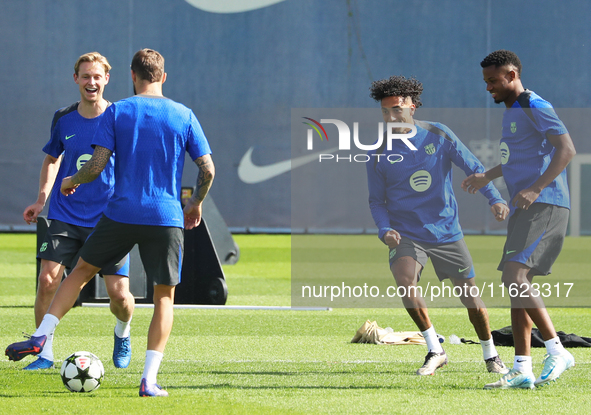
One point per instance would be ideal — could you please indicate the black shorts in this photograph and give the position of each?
(161, 248)
(63, 242)
(451, 260)
(535, 237)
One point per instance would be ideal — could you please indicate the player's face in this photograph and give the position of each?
(91, 80)
(398, 109)
(499, 82)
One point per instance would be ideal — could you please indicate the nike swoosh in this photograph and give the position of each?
(250, 173)
(70, 136)
(231, 6)
(462, 270)
(509, 252)
(511, 380)
(546, 377)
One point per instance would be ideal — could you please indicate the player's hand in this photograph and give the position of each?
(192, 213)
(392, 239)
(474, 182)
(500, 211)
(68, 186)
(525, 198)
(31, 212)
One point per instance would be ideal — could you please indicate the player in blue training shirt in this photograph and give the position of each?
(149, 135)
(535, 150)
(73, 218)
(413, 205)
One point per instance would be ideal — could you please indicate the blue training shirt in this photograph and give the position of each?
(411, 191)
(71, 134)
(149, 136)
(526, 151)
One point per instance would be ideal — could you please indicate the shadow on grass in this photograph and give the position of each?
(46, 394)
(406, 387)
(399, 380)
(295, 387)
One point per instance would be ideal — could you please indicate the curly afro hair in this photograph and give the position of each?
(397, 86)
(501, 58)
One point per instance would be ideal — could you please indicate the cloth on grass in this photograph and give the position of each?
(504, 337)
(370, 332)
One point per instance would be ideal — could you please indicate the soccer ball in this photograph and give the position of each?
(82, 372)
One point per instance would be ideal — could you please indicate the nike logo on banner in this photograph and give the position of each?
(250, 173)
(231, 6)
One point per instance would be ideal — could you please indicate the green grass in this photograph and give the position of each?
(327, 262)
(282, 362)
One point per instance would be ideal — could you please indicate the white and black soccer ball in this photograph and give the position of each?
(82, 372)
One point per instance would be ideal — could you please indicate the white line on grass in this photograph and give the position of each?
(222, 307)
(350, 362)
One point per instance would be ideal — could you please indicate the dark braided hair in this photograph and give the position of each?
(397, 86)
(501, 58)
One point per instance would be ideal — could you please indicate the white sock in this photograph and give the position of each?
(153, 360)
(554, 347)
(47, 352)
(523, 364)
(47, 326)
(432, 340)
(488, 348)
(122, 328)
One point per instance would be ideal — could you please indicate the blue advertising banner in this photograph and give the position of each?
(243, 65)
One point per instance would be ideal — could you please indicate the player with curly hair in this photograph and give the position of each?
(413, 205)
(535, 150)
(397, 86)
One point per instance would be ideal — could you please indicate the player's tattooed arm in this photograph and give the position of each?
(90, 171)
(204, 178)
(93, 167)
(193, 209)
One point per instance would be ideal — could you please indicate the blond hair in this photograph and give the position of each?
(92, 57)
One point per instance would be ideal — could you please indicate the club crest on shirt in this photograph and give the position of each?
(430, 149)
(513, 127)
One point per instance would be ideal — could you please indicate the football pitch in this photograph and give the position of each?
(283, 361)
